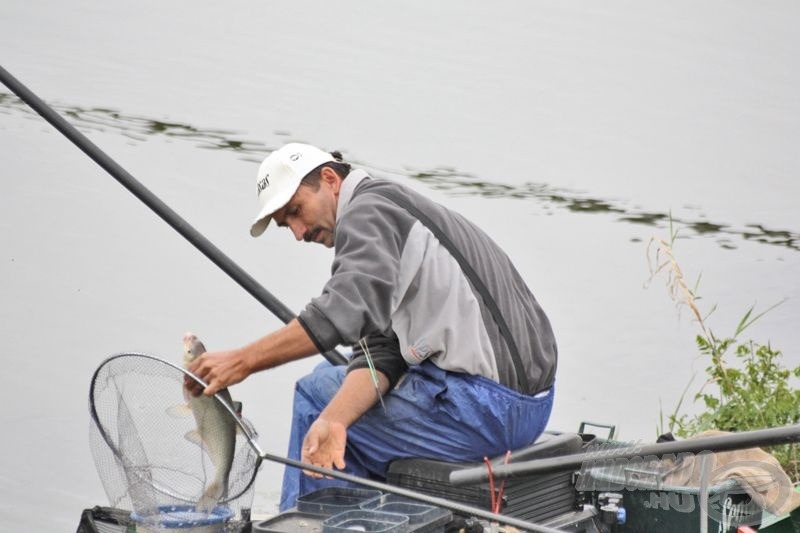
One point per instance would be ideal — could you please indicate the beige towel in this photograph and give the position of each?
(758, 472)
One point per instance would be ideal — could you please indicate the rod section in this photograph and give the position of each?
(720, 443)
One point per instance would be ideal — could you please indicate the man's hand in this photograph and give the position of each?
(223, 369)
(324, 446)
(219, 370)
(325, 441)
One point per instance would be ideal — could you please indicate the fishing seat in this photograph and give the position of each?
(534, 498)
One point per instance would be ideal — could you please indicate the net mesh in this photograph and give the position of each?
(152, 449)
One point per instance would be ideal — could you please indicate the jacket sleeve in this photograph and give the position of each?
(357, 300)
(385, 353)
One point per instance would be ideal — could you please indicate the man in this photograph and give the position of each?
(464, 357)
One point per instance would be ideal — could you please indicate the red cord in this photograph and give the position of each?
(491, 483)
(498, 502)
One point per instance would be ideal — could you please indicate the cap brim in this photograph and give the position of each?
(260, 226)
(265, 215)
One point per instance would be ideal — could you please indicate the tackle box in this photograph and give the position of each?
(335, 509)
(422, 517)
(333, 500)
(370, 521)
(290, 522)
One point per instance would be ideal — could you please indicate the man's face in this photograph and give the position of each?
(311, 214)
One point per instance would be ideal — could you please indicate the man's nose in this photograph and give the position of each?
(299, 230)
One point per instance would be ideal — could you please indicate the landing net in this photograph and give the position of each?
(144, 439)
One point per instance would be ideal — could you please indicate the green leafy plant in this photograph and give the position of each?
(747, 387)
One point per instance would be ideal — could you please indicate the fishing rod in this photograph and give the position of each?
(606, 456)
(245, 280)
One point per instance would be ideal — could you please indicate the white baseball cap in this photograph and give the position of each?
(280, 175)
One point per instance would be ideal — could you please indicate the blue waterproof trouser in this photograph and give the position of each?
(432, 413)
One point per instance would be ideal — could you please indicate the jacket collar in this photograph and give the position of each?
(353, 179)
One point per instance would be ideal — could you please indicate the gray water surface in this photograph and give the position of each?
(569, 132)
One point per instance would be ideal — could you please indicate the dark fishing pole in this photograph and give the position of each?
(245, 280)
(605, 456)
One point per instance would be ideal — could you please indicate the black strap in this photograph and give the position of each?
(477, 282)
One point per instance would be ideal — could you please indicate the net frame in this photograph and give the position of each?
(125, 463)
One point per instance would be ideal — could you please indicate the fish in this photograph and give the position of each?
(216, 430)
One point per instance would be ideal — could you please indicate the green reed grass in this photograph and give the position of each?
(746, 386)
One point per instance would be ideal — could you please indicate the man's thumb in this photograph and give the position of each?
(311, 444)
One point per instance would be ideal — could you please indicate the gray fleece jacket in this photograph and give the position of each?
(393, 282)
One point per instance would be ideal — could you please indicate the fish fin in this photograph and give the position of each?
(179, 411)
(249, 431)
(194, 437)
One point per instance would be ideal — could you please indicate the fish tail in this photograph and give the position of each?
(211, 496)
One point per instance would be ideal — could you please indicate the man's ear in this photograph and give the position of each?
(329, 176)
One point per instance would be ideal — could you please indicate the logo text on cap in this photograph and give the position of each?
(263, 184)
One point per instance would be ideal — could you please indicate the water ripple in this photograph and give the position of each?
(445, 179)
